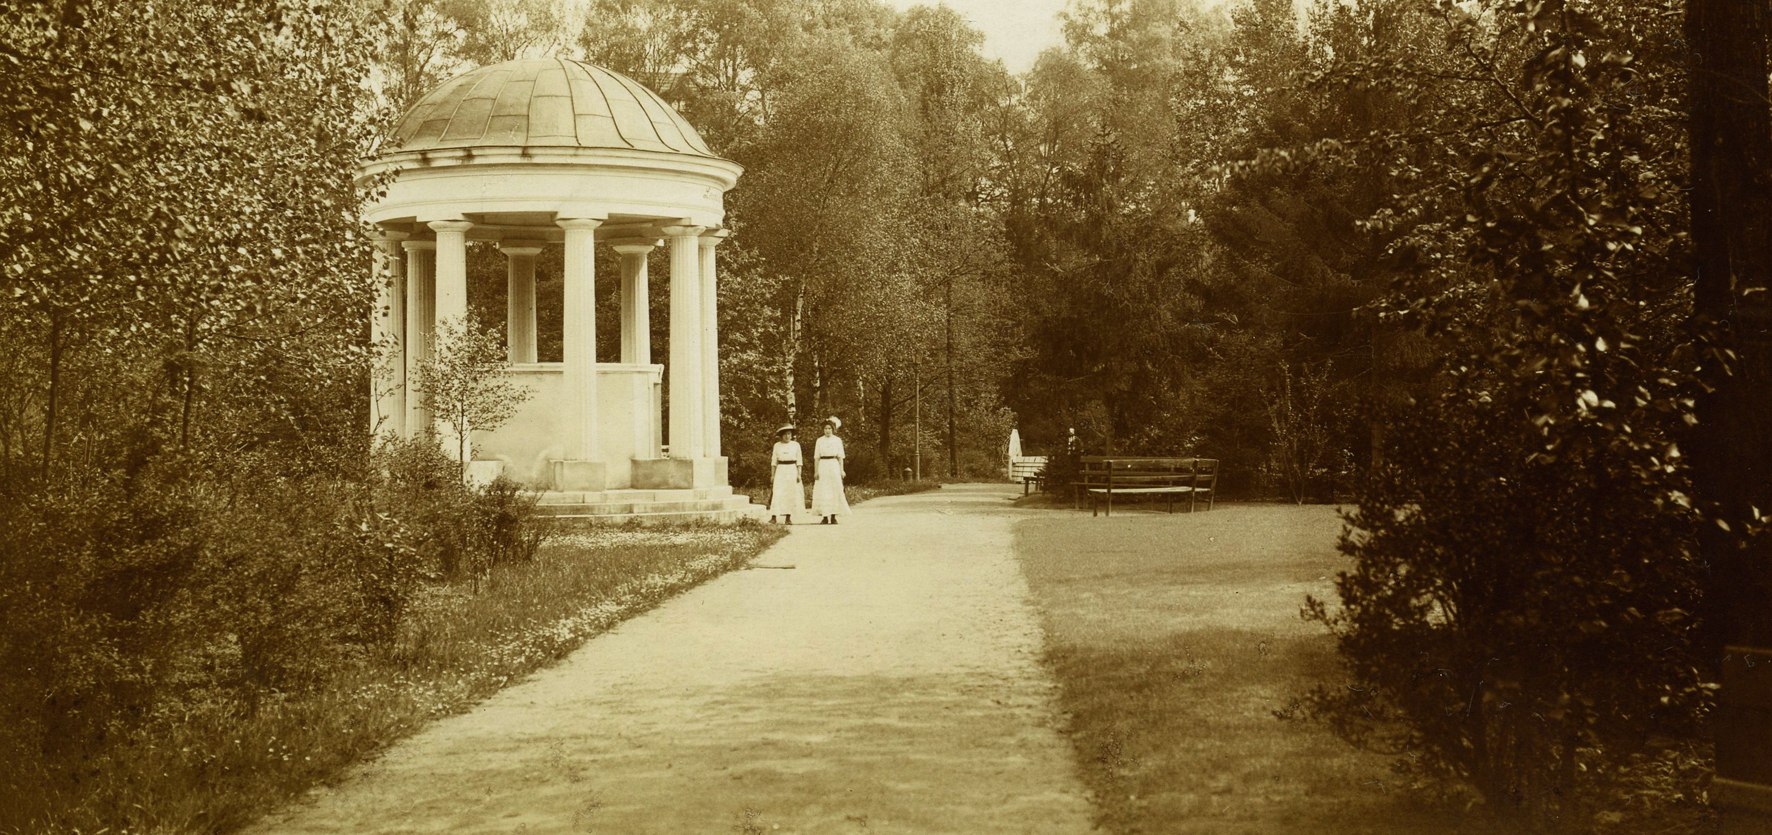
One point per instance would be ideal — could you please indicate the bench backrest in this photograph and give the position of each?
(1206, 474)
(1146, 470)
(1026, 465)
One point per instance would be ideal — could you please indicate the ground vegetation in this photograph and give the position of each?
(1436, 258)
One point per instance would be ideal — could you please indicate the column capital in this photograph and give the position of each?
(450, 225)
(419, 246)
(388, 236)
(520, 247)
(578, 222)
(713, 237)
(681, 231)
(633, 246)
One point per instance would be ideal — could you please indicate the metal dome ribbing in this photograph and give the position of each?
(545, 102)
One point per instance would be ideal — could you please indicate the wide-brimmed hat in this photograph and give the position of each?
(834, 422)
(786, 427)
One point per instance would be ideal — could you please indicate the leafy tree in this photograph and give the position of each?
(824, 206)
(465, 385)
(420, 49)
(1298, 409)
(1521, 602)
(183, 282)
(492, 31)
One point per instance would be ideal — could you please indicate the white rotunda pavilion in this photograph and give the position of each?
(545, 152)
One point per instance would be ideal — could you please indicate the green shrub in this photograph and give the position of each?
(461, 530)
(195, 587)
(1519, 615)
(1061, 472)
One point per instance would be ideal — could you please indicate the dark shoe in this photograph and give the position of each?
(772, 520)
(833, 520)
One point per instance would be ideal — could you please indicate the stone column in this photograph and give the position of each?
(684, 372)
(451, 306)
(636, 339)
(582, 469)
(520, 299)
(387, 332)
(710, 345)
(421, 298)
(636, 314)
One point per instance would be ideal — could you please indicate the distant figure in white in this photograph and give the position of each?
(827, 491)
(789, 495)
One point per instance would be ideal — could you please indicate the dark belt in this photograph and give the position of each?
(829, 457)
(787, 462)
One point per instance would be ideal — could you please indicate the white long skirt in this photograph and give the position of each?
(827, 491)
(788, 497)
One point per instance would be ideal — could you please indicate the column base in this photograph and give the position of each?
(581, 475)
(679, 473)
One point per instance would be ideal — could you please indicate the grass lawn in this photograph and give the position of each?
(219, 764)
(1174, 639)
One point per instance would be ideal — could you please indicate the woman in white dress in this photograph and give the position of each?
(788, 496)
(827, 491)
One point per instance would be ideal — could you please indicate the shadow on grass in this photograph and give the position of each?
(1177, 644)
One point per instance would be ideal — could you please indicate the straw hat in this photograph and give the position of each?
(834, 422)
(786, 427)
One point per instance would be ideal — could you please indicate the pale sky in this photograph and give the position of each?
(1017, 31)
(1014, 30)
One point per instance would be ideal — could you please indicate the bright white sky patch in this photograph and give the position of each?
(1017, 31)
(1014, 30)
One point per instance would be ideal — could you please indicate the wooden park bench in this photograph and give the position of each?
(1030, 470)
(1103, 477)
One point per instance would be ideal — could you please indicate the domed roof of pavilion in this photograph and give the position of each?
(545, 102)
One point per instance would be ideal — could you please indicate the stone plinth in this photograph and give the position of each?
(679, 473)
(581, 475)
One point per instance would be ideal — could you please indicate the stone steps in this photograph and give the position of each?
(717, 505)
(626, 508)
(555, 497)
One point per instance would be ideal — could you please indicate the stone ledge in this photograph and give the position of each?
(679, 473)
(580, 475)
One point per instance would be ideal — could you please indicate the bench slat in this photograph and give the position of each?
(1102, 491)
(1103, 476)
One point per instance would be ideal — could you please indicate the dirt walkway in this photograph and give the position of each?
(887, 682)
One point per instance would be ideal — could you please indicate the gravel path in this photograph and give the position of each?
(881, 675)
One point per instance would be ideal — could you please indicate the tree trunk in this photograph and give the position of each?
(791, 396)
(1108, 407)
(819, 406)
(53, 400)
(1731, 146)
(917, 423)
(953, 451)
(885, 422)
(189, 400)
